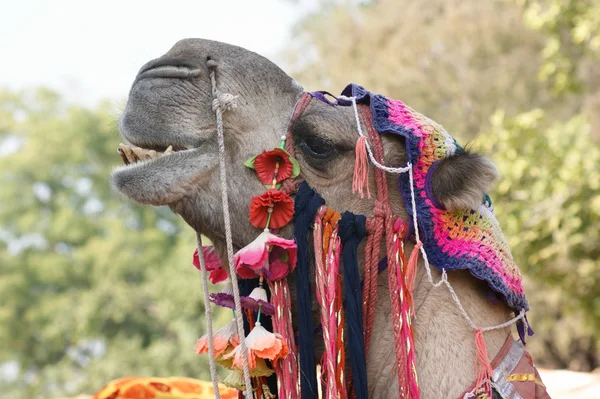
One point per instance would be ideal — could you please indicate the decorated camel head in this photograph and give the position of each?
(378, 255)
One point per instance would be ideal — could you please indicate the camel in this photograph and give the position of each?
(169, 130)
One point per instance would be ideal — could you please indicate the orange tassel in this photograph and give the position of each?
(410, 273)
(484, 368)
(361, 168)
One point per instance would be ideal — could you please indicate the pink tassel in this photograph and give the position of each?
(326, 275)
(485, 371)
(361, 168)
(285, 369)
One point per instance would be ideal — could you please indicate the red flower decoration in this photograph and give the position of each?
(266, 166)
(282, 209)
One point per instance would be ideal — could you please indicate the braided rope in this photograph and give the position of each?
(385, 218)
(217, 106)
(208, 317)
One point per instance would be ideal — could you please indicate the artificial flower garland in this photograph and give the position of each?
(269, 257)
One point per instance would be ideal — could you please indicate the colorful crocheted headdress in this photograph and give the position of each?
(459, 240)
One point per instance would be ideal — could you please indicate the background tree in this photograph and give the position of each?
(94, 288)
(456, 61)
(521, 75)
(91, 287)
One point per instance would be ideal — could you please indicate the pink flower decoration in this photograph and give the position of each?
(217, 272)
(268, 254)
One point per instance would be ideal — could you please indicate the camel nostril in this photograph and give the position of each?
(170, 67)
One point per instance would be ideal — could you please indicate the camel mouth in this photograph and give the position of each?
(132, 154)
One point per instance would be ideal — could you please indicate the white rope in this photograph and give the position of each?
(369, 151)
(217, 106)
(208, 316)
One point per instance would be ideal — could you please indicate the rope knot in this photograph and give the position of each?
(225, 101)
(382, 209)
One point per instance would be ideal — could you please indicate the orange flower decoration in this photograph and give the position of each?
(261, 344)
(278, 203)
(223, 339)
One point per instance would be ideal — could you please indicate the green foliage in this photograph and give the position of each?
(572, 45)
(455, 61)
(548, 200)
(91, 287)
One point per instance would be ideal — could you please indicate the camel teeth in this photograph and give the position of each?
(152, 154)
(169, 150)
(140, 153)
(129, 155)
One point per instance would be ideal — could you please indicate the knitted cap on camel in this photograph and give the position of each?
(457, 240)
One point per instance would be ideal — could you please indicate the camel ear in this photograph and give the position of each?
(461, 180)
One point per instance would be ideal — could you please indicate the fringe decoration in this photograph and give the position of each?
(397, 298)
(406, 373)
(326, 244)
(307, 203)
(327, 363)
(286, 368)
(372, 249)
(352, 230)
(406, 308)
(411, 267)
(360, 179)
(484, 368)
(340, 320)
(410, 273)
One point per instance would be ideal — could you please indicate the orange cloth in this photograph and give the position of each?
(162, 388)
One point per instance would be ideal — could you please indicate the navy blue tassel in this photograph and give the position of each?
(306, 204)
(351, 231)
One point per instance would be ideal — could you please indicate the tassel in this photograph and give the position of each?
(351, 231)
(411, 269)
(485, 371)
(326, 245)
(285, 368)
(361, 168)
(306, 206)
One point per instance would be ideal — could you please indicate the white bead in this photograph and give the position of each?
(283, 138)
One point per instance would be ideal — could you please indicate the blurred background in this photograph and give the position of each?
(94, 288)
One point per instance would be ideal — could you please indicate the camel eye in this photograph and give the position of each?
(317, 147)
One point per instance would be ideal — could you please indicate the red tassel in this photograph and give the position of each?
(484, 368)
(361, 168)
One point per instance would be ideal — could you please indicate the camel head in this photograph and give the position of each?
(171, 151)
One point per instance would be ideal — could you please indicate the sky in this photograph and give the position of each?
(91, 50)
